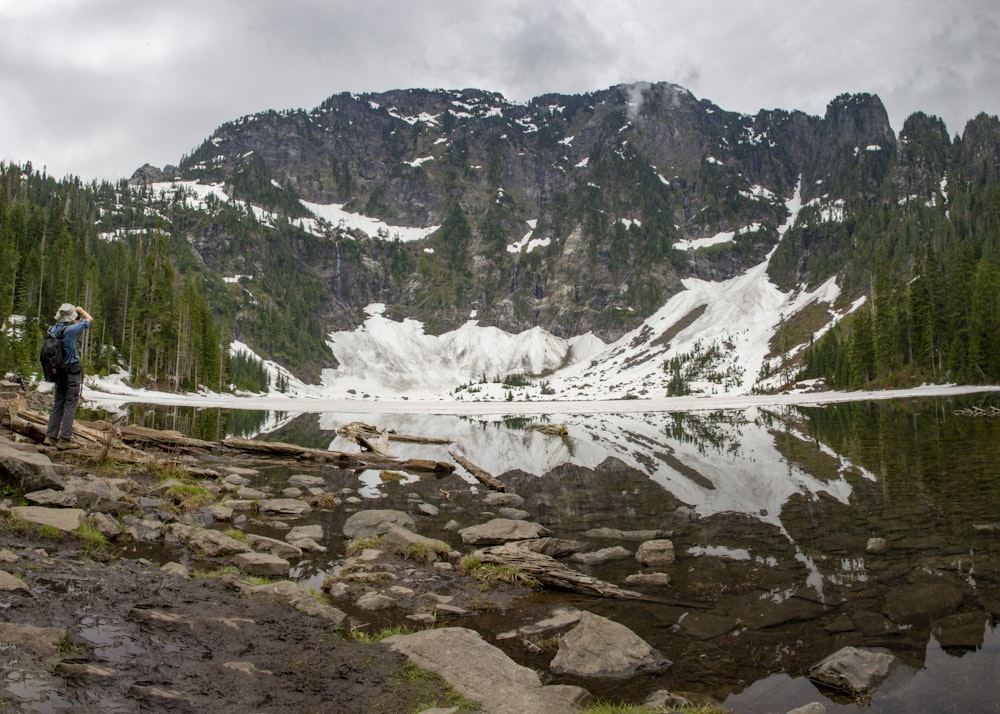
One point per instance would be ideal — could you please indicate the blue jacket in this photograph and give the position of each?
(69, 337)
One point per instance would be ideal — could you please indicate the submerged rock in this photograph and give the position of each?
(964, 630)
(602, 556)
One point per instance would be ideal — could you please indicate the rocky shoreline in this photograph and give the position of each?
(226, 618)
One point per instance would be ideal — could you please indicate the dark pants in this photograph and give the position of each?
(67, 393)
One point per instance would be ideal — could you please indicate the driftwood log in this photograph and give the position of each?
(484, 477)
(371, 438)
(370, 431)
(549, 571)
(134, 434)
(363, 460)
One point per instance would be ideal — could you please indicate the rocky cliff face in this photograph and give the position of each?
(608, 185)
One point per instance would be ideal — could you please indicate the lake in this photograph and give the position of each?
(771, 511)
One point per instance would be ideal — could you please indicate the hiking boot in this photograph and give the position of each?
(65, 445)
(49, 441)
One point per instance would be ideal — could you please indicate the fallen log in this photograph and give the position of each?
(365, 434)
(484, 477)
(367, 437)
(97, 440)
(134, 434)
(549, 571)
(362, 460)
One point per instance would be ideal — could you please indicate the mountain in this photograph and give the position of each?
(562, 213)
(627, 241)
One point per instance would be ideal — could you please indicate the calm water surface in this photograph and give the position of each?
(771, 512)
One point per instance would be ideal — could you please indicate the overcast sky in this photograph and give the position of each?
(96, 88)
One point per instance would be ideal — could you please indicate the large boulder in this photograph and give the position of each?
(599, 647)
(502, 530)
(482, 673)
(27, 470)
(853, 670)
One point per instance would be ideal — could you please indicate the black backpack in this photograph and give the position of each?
(51, 356)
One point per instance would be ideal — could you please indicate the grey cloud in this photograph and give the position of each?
(97, 88)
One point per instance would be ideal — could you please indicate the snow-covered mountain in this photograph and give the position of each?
(579, 215)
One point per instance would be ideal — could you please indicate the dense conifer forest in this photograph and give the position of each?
(928, 263)
(158, 312)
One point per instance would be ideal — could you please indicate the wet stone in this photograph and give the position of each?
(599, 647)
(853, 669)
(261, 564)
(306, 480)
(427, 509)
(656, 552)
(496, 499)
(10, 583)
(603, 555)
(369, 523)
(285, 506)
(501, 530)
(375, 601)
(653, 579)
(313, 531)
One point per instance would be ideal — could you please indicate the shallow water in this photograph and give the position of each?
(770, 510)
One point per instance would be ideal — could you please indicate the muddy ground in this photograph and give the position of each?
(130, 638)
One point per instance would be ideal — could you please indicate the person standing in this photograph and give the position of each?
(71, 321)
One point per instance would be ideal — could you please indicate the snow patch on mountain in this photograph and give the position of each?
(711, 338)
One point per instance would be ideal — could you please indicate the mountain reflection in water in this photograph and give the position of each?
(771, 512)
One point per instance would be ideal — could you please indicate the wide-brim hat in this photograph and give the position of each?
(67, 313)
